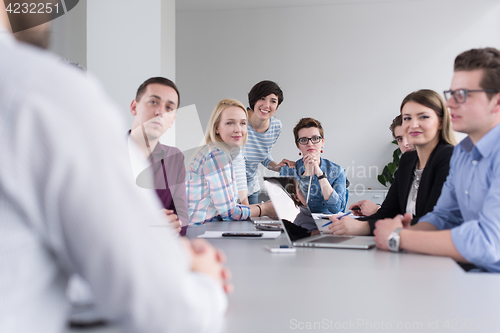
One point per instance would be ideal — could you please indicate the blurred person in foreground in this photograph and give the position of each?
(66, 209)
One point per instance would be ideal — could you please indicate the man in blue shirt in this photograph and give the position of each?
(465, 223)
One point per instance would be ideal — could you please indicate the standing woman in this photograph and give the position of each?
(421, 173)
(263, 131)
(211, 190)
(327, 193)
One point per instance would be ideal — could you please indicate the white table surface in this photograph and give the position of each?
(349, 290)
(360, 290)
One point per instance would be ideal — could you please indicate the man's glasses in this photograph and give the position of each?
(460, 95)
(304, 141)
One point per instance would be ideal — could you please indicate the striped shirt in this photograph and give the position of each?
(211, 187)
(257, 150)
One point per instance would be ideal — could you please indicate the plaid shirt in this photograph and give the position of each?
(211, 188)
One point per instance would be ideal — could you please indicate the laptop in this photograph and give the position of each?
(287, 211)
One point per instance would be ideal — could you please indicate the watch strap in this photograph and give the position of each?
(393, 241)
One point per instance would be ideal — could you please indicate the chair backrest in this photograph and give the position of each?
(347, 183)
(346, 199)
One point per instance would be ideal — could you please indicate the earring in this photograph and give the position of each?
(321, 150)
(300, 153)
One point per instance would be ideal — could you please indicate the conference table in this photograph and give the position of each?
(320, 290)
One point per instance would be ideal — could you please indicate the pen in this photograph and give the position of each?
(338, 218)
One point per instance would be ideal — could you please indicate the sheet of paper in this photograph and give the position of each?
(264, 219)
(218, 234)
(320, 215)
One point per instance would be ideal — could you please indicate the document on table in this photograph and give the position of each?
(318, 216)
(218, 234)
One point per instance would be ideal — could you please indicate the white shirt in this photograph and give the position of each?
(69, 205)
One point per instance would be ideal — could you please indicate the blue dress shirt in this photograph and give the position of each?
(469, 204)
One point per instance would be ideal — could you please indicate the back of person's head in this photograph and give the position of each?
(307, 123)
(158, 80)
(397, 121)
(29, 26)
(74, 64)
(213, 123)
(487, 59)
(292, 187)
(263, 89)
(434, 101)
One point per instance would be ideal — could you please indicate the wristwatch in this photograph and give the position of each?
(393, 240)
(322, 176)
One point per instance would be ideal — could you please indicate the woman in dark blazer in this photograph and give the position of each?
(421, 173)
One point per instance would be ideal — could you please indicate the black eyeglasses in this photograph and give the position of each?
(304, 141)
(460, 95)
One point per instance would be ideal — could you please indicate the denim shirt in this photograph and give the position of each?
(317, 203)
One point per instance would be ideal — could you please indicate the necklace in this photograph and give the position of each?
(417, 175)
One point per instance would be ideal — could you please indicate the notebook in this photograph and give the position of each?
(286, 210)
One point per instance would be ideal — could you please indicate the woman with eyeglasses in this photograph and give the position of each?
(421, 173)
(320, 180)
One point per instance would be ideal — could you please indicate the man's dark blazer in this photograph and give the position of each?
(434, 175)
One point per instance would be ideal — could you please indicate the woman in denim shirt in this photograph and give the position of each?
(327, 194)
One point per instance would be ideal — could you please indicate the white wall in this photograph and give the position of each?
(129, 41)
(349, 66)
(69, 34)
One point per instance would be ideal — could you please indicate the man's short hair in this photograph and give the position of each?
(487, 59)
(263, 89)
(159, 80)
(397, 121)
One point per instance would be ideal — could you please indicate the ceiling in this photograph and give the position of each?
(216, 5)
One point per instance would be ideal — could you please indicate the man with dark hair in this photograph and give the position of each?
(465, 223)
(157, 80)
(69, 206)
(399, 134)
(154, 110)
(367, 207)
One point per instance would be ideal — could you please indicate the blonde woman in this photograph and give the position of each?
(211, 182)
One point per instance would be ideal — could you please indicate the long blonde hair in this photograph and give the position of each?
(432, 100)
(213, 123)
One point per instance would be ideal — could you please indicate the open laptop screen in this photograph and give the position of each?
(296, 217)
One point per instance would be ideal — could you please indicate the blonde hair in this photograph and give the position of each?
(432, 100)
(214, 121)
